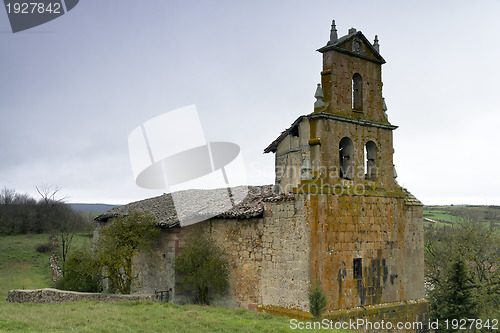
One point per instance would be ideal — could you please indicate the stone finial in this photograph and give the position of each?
(333, 34)
(319, 97)
(352, 31)
(375, 44)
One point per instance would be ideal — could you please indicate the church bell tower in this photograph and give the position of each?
(366, 231)
(345, 144)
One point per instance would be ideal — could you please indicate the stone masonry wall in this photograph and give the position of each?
(414, 251)
(382, 234)
(155, 269)
(285, 277)
(336, 80)
(269, 257)
(290, 155)
(325, 156)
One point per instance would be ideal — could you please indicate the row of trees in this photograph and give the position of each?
(22, 214)
(463, 270)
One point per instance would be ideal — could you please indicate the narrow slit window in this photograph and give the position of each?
(357, 268)
(371, 161)
(357, 92)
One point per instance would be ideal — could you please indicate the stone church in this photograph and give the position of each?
(335, 215)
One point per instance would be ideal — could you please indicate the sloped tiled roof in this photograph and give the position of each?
(164, 209)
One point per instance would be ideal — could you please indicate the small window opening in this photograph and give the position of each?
(371, 161)
(346, 152)
(357, 92)
(357, 268)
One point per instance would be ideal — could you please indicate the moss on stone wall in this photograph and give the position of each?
(397, 312)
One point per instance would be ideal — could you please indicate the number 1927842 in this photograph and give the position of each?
(468, 324)
(33, 8)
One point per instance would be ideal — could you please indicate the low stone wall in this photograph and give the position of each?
(53, 296)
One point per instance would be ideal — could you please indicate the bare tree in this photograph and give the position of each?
(48, 193)
(7, 196)
(64, 219)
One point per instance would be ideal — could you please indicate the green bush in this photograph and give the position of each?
(202, 266)
(119, 242)
(44, 248)
(317, 301)
(81, 273)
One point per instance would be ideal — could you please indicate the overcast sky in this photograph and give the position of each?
(73, 89)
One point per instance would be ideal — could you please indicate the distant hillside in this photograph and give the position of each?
(91, 208)
(447, 215)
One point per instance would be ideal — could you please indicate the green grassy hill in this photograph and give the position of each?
(21, 266)
(447, 215)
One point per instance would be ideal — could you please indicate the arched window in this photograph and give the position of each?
(357, 92)
(371, 161)
(346, 155)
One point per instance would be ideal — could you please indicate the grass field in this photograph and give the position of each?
(21, 267)
(438, 213)
(134, 317)
(447, 215)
